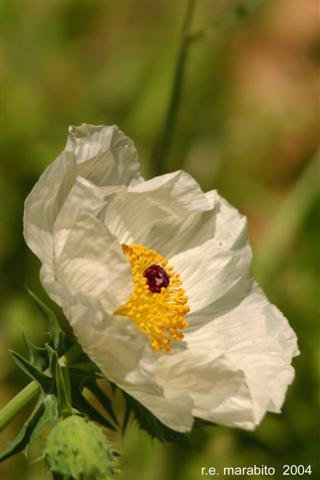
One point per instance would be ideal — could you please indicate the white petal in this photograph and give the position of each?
(43, 204)
(84, 196)
(254, 341)
(230, 226)
(217, 271)
(112, 342)
(124, 356)
(179, 188)
(103, 155)
(214, 384)
(163, 217)
(209, 272)
(56, 291)
(92, 262)
(174, 413)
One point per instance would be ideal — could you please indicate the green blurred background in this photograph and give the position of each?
(247, 125)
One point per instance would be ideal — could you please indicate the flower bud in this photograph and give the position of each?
(77, 450)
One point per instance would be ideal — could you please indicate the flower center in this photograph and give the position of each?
(158, 304)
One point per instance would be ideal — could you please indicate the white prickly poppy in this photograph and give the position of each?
(154, 278)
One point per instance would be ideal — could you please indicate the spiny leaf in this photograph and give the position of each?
(22, 439)
(56, 333)
(37, 356)
(148, 422)
(42, 378)
(62, 385)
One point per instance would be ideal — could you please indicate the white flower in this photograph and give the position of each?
(208, 343)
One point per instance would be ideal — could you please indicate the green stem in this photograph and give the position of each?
(9, 411)
(163, 145)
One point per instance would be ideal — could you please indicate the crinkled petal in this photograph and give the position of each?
(103, 155)
(85, 197)
(216, 272)
(172, 221)
(231, 226)
(248, 352)
(43, 204)
(168, 213)
(104, 337)
(118, 349)
(92, 262)
(183, 191)
(209, 271)
(175, 413)
(214, 384)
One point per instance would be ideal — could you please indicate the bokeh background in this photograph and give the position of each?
(247, 125)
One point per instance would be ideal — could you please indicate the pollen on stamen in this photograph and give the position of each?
(158, 304)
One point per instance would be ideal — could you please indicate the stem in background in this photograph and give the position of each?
(9, 411)
(288, 220)
(163, 144)
(238, 12)
(164, 141)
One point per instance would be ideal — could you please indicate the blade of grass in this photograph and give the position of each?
(288, 221)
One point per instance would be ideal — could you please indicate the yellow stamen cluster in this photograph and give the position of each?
(159, 315)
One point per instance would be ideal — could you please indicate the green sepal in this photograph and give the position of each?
(57, 335)
(49, 417)
(91, 384)
(63, 391)
(22, 440)
(200, 423)
(78, 381)
(42, 378)
(52, 358)
(88, 367)
(127, 414)
(85, 407)
(113, 387)
(148, 422)
(62, 384)
(37, 356)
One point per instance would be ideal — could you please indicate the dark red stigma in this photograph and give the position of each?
(157, 278)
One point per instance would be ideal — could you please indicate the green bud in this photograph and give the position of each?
(77, 450)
